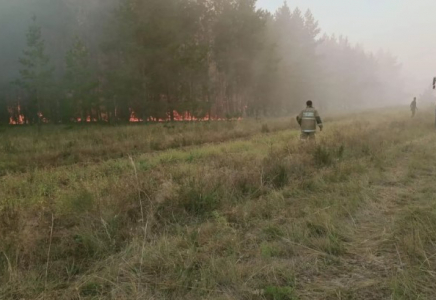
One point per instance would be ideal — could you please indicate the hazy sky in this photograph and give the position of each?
(406, 28)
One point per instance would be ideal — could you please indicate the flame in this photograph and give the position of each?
(133, 118)
(177, 116)
(20, 120)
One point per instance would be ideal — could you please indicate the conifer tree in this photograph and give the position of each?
(36, 73)
(80, 83)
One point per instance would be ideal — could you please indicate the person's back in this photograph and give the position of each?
(413, 107)
(308, 120)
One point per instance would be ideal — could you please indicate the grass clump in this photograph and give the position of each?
(279, 168)
(322, 156)
(279, 293)
(198, 200)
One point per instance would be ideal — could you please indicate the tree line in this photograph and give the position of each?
(154, 60)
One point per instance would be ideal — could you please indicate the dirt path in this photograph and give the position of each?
(367, 268)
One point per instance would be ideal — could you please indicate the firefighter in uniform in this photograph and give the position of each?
(308, 119)
(413, 107)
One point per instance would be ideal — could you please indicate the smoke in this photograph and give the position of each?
(404, 28)
(221, 58)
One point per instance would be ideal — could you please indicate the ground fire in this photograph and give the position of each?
(18, 118)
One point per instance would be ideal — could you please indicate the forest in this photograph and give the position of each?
(149, 150)
(111, 61)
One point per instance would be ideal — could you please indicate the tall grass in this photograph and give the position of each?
(24, 148)
(235, 219)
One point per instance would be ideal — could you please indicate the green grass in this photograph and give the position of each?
(218, 211)
(24, 148)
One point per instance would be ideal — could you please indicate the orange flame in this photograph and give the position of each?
(20, 120)
(178, 117)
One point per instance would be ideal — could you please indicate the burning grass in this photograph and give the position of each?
(257, 218)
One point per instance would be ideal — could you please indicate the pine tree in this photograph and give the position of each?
(312, 71)
(311, 31)
(81, 84)
(287, 49)
(238, 32)
(36, 73)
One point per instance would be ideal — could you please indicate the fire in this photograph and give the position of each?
(88, 119)
(133, 118)
(19, 121)
(18, 118)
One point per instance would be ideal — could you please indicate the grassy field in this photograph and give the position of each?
(227, 210)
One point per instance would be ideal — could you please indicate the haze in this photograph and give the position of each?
(159, 60)
(405, 28)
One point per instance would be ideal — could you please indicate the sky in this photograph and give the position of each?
(406, 28)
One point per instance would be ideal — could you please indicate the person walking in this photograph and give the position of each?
(413, 107)
(308, 119)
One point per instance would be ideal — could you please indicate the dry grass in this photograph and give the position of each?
(24, 148)
(262, 217)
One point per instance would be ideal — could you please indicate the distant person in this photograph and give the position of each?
(413, 107)
(435, 114)
(308, 119)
